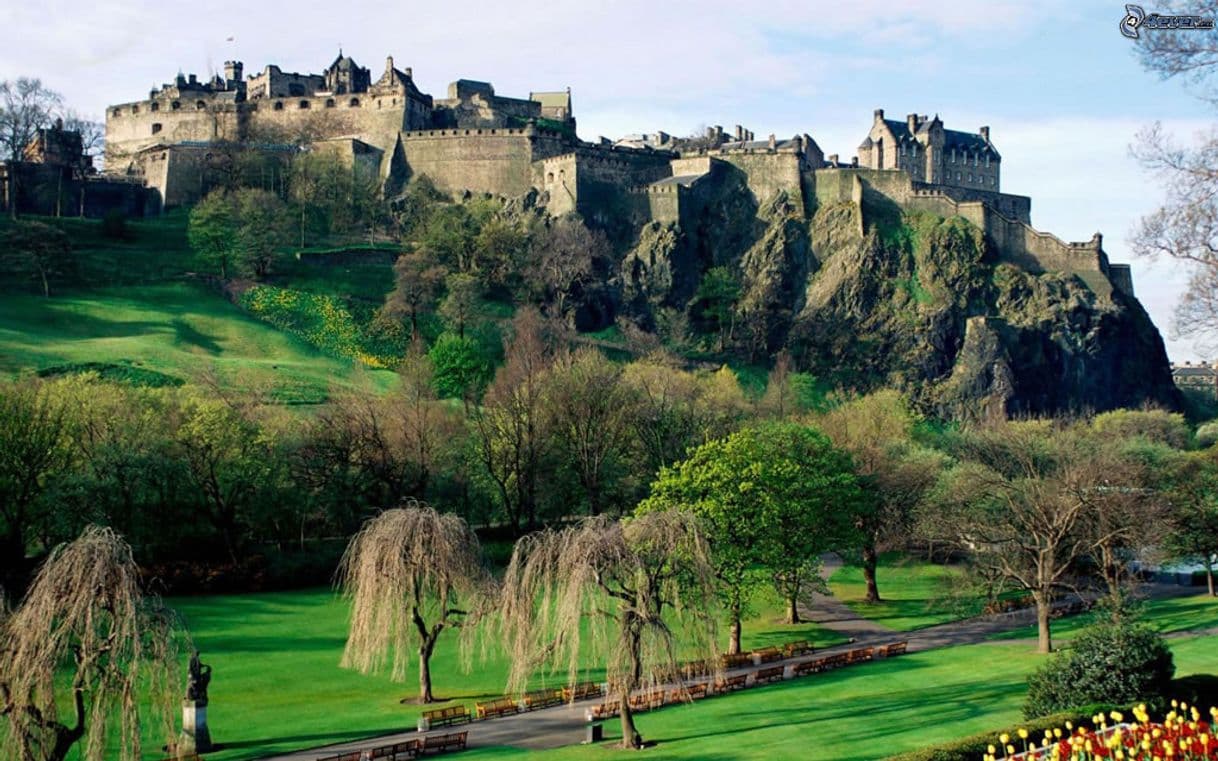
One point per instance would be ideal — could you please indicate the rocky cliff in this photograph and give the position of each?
(865, 298)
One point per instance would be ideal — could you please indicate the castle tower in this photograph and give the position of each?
(934, 151)
(233, 71)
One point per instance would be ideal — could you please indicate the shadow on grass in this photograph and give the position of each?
(329, 738)
(185, 333)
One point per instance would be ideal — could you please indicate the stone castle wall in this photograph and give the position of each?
(768, 173)
(498, 161)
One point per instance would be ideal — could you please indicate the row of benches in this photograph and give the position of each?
(404, 751)
(655, 698)
(506, 706)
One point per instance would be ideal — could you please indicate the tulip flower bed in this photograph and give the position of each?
(1181, 736)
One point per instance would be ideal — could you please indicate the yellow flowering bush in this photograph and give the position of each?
(323, 321)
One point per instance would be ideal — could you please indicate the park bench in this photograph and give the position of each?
(736, 661)
(403, 751)
(445, 743)
(811, 667)
(731, 683)
(767, 654)
(835, 661)
(497, 707)
(860, 654)
(604, 710)
(646, 701)
(446, 717)
(542, 699)
(795, 649)
(355, 755)
(771, 674)
(582, 691)
(887, 651)
(693, 692)
(694, 669)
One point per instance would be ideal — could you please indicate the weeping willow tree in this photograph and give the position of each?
(411, 573)
(86, 614)
(632, 594)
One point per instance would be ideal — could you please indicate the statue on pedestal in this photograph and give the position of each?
(196, 737)
(197, 680)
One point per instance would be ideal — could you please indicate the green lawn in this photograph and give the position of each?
(1199, 611)
(180, 330)
(915, 594)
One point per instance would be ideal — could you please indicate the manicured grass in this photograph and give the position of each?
(915, 594)
(178, 330)
(1175, 614)
(277, 684)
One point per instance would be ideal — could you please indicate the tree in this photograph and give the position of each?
(1185, 227)
(561, 259)
(630, 594)
(666, 421)
(460, 303)
(718, 293)
(500, 247)
(86, 636)
(25, 107)
(877, 431)
(411, 574)
(591, 409)
(459, 369)
(1192, 485)
(426, 424)
(511, 423)
(1016, 503)
(417, 277)
(92, 145)
(212, 230)
(779, 399)
(776, 496)
(35, 432)
(261, 232)
(38, 251)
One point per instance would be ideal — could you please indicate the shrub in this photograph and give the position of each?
(1109, 662)
(1207, 434)
(974, 747)
(1198, 690)
(460, 368)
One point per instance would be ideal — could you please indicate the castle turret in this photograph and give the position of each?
(233, 71)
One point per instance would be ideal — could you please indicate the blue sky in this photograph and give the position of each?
(1058, 85)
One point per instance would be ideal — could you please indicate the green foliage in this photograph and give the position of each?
(1155, 426)
(717, 294)
(975, 746)
(1207, 434)
(1118, 662)
(114, 372)
(461, 368)
(114, 225)
(211, 233)
(35, 253)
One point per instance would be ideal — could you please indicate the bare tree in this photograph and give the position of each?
(26, 106)
(411, 573)
(562, 259)
(86, 615)
(417, 280)
(630, 594)
(591, 409)
(1016, 505)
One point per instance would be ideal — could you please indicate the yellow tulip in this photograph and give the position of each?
(1004, 738)
(1023, 734)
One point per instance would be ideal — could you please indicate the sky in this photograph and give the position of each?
(1057, 84)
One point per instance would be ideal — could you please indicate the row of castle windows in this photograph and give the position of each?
(905, 149)
(202, 105)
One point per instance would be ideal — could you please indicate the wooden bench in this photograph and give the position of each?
(835, 661)
(446, 717)
(646, 701)
(695, 669)
(795, 649)
(355, 755)
(860, 654)
(403, 751)
(606, 710)
(887, 651)
(731, 683)
(497, 707)
(445, 743)
(692, 692)
(736, 661)
(582, 691)
(767, 655)
(811, 667)
(771, 674)
(542, 699)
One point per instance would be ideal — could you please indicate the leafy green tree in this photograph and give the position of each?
(718, 294)
(461, 302)
(500, 247)
(1193, 490)
(212, 232)
(37, 251)
(262, 230)
(459, 368)
(417, 278)
(775, 496)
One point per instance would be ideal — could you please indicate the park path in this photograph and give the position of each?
(564, 725)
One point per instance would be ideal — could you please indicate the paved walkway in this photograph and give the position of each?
(564, 725)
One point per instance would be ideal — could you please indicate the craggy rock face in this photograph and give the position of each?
(916, 302)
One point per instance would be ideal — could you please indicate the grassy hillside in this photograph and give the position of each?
(179, 330)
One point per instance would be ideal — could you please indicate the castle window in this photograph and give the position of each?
(987, 161)
(970, 176)
(279, 105)
(116, 112)
(329, 103)
(175, 105)
(304, 104)
(135, 109)
(957, 177)
(156, 128)
(550, 177)
(354, 103)
(200, 106)
(155, 106)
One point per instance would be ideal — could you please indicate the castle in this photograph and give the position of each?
(478, 141)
